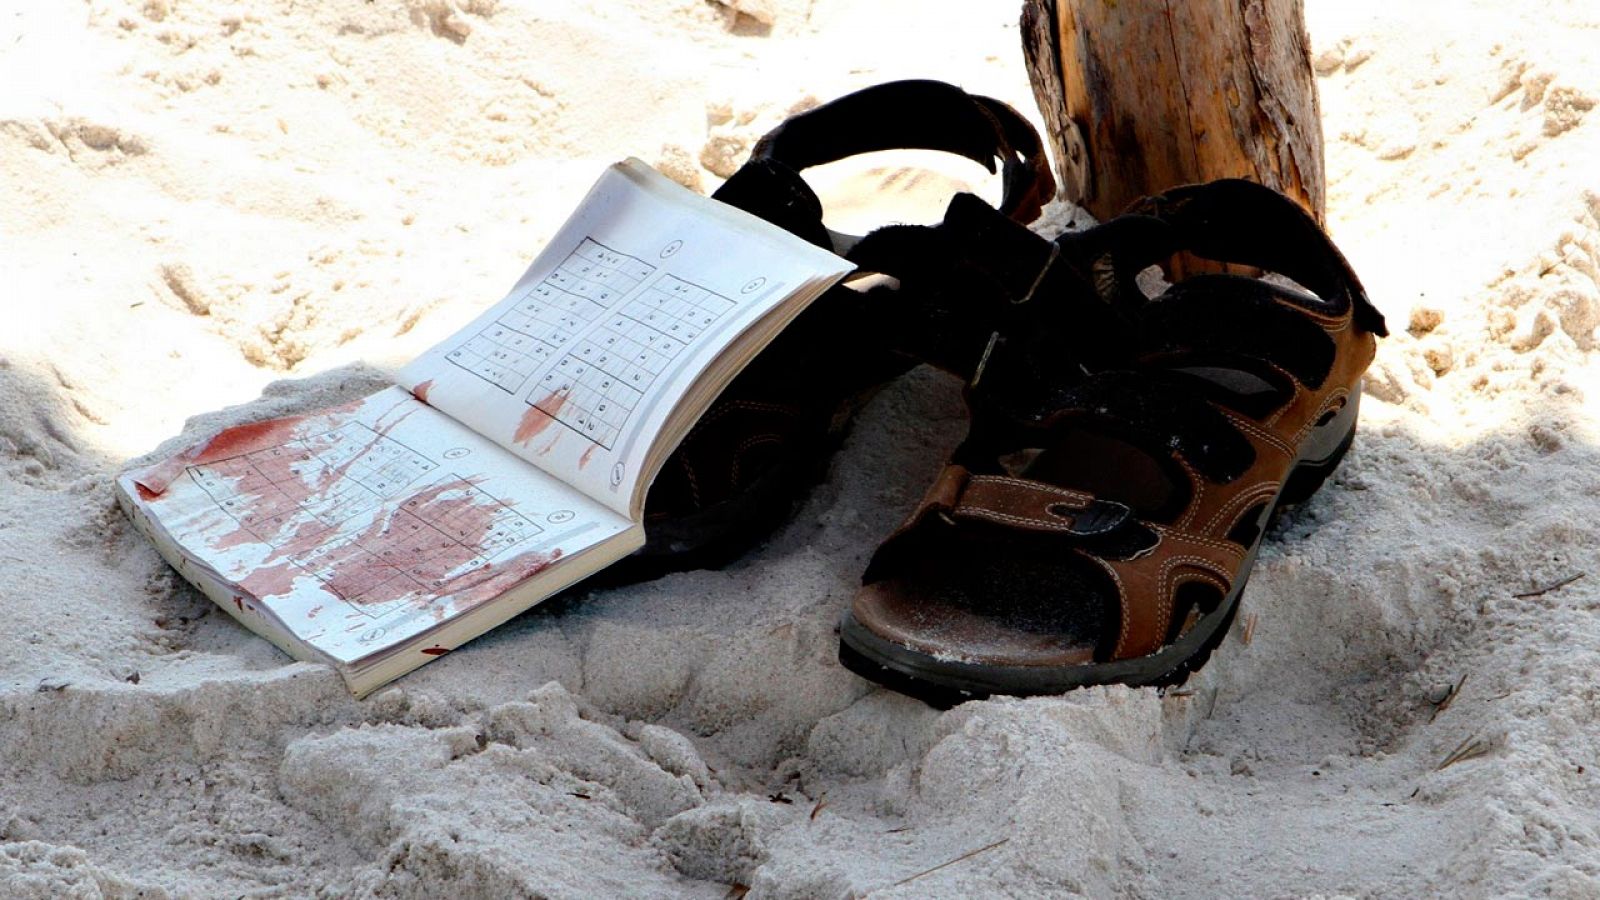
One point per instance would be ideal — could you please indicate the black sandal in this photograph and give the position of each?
(768, 438)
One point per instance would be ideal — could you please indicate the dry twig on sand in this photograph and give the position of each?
(1471, 748)
(1548, 588)
(967, 855)
(1449, 698)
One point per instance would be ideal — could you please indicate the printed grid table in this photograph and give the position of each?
(548, 317)
(599, 382)
(267, 493)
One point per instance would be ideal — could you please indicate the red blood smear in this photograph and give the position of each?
(370, 575)
(584, 459)
(269, 500)
(271, 581)
(235, 441)
(362, 572)
(285, 498)
(435, 651)
(421, 391)
(536, 420)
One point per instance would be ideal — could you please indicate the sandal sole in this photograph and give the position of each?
(946, 682)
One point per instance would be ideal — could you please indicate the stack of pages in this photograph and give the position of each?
(506, 463)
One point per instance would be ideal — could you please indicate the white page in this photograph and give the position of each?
(577, 369)
(364, 526)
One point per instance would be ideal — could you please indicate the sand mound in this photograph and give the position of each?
(218, 211)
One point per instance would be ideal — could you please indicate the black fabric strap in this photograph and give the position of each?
(1239, 221)
(973, 238)
(776, 193)
(974, 269)
(1232, 314)
(1158, 413)
(924, 115)
(960, 282)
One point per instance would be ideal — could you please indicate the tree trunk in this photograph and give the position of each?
(1143, 95)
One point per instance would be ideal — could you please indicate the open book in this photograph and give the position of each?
(508, 462)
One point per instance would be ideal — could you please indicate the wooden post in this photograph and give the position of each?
(1143, 95)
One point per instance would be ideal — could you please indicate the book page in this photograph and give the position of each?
(362, 527)
(579, 367)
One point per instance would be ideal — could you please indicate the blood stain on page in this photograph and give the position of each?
(271, 581)
(263, 506)
(436, 651)
(584, 459)
(422, 551)
(536, 420)
(421, 391)
(235, 441)
(251, 436)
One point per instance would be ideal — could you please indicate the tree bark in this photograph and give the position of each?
(1142, 95)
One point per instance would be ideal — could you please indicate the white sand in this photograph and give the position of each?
(207, 204)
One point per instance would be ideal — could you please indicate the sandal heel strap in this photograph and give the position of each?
(925, 115)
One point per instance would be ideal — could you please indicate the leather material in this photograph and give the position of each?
(976, 495)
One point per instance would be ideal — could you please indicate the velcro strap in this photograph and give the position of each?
(973, 243)
(958, 497)
(1034, 505)
(961, 280)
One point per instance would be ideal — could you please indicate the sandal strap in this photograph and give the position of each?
(925, 115)
(1232, 315)
(917, 114)
(958, 496)
(778, 194)
(960, 281)
(1238, 221)
(1147, 585)
(1022, 503)
(983, 273)
(1149, 565)
(1014, 407)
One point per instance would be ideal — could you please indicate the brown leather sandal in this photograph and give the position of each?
(769, 436)
(1127, 451)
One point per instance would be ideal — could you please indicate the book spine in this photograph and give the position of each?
(234, 601)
